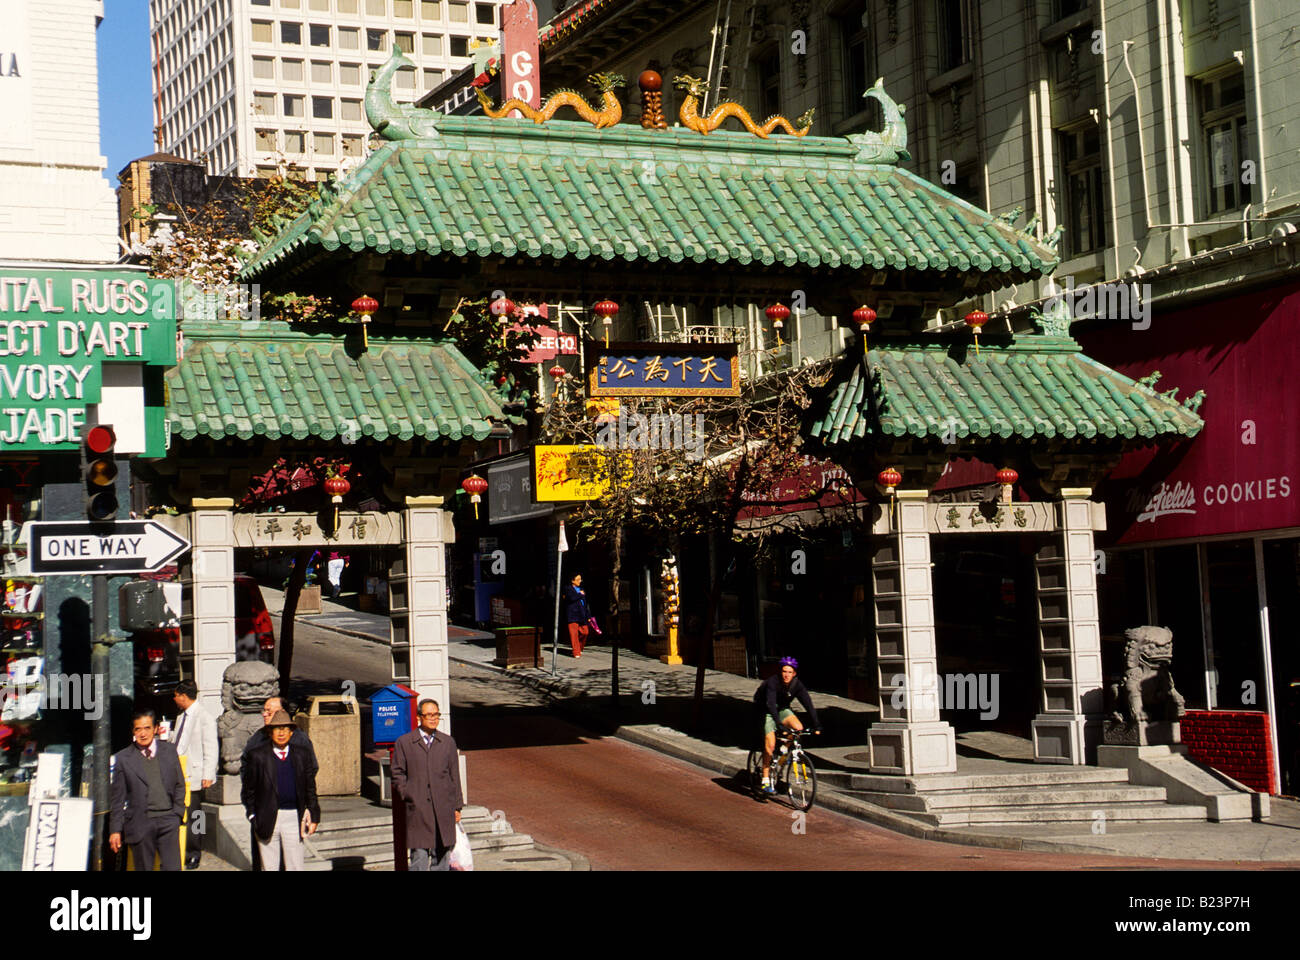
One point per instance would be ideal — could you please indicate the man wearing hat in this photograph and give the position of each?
(279, 795)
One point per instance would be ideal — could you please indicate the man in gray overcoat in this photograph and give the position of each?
(426, 776)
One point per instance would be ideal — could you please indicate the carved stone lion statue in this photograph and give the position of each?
(244, 688)
(1144, 690)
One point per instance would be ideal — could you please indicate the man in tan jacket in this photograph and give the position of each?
(426, 777)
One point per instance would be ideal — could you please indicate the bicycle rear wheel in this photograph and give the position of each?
(754, 771)
(799, 781)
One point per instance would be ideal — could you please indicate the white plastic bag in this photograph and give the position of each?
(462, 858)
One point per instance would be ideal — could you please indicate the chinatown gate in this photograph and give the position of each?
(454, 208)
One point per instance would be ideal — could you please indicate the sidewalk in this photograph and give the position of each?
(656, 704)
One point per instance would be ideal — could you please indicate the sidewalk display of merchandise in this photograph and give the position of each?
(22, 649)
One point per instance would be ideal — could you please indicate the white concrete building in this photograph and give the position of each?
(250, 85)
(55, 204)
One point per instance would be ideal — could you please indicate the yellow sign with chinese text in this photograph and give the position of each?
(573, 472)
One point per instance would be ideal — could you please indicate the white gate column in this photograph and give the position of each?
(909, 737)
(417, 590)
(1069, 727)
(208, 627)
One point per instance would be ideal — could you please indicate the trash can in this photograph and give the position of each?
(519, 647)
(333, 723)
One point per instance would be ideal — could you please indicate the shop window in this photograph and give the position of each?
(460, 46)
(350, 109)
(432, 45)
(1234, 625)
(953, 22)
(352, 145)
(1282, 579)
(1222, 103)
(291, 70)
(404, 42)
(349, 38)
(294, 105)
(319, 35)
(323, 144)
(350, 74)
(377, 40)
(855, 49)
(263, 68)
(322, 71)
(291, 33)
(485, 13)
(262, 31)
(294, 141)
(430, 9)
(322, 108)
(1084, 179)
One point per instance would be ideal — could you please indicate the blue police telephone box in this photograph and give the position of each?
(392, 713)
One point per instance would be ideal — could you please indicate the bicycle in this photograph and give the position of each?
(792, 770)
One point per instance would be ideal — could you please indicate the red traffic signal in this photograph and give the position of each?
(99, 471)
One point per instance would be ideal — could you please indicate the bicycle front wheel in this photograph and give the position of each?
(799, 782)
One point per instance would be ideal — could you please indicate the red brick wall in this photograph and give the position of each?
(1235, 742)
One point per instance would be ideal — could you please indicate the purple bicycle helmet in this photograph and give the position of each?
(790, 662)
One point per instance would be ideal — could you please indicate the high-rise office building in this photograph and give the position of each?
(250, 85)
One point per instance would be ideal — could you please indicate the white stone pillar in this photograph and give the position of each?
(208, 630)
(909, 738)
(417, 592)
(1069, 727)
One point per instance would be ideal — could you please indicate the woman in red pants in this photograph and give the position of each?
(576, 613)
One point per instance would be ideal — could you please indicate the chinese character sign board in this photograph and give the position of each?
(571, 472)
(663, 370)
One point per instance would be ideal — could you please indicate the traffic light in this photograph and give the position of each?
(100, 472)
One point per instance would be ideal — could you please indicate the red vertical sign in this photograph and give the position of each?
(520, 57)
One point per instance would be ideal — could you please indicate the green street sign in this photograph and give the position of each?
(58, 331)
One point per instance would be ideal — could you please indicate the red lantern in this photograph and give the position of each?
(865, 317)
(605, 309)
(778, 313)
(557, 371)
(502, 307)
(364, 307)
(1007, 477)
(475, 486)
(975, 320)
(337, 487)
(889, 478)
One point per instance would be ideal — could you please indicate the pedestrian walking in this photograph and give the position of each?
(576, 614)
(148, 797)
(279, 796)
(426, 776)
(196, 740)
(300, 740)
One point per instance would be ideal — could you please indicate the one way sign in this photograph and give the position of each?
(122, 546)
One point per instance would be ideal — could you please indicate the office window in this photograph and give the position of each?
(352, 145)
(322, 108)
(291, 33)
(855, 48)
(769, 71)
(458, 12)
(1064, 8)
(291, 4)
(350, 74)
(460, 46)
(404, 42)
(347, 6)
(485, 13)
(349, 38)
(319, 35)
(322, 72)
(404, 9)
(291, 70)
(350, 109)
(431, 9)
(266, 140)
(1223, 141)
(264, 104)
(1085, 202)
(954, 33)
(432, 45)
(266, 173)
(322, 5)
(294, 105)
(263, 68)
(261, 3)
(377, 8)
(406, 80)
(377, 40)
(432, 78)
(262, 31)
(323, 175)
(294, 141)
(323, 144)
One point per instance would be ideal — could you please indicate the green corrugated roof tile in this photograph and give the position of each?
(487, 187)
(279, 381)
(1034, 386)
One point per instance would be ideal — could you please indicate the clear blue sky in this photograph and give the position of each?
(125, 84)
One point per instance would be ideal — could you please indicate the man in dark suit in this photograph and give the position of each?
(299, 739)
(426, 776)
(279, 796)
(148, 798)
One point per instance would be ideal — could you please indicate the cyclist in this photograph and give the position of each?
(773, 698)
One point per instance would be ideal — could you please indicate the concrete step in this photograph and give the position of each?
(1034, 775)
(1015, 797)
(1062, 813)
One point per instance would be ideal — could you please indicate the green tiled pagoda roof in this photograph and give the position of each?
(565, 190)
(1035, 387)
(279, 382)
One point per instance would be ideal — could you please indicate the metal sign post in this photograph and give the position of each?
(561, 547)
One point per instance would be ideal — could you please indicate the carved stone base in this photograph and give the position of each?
(912, 748)
(1143, 733)
(225, 790)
